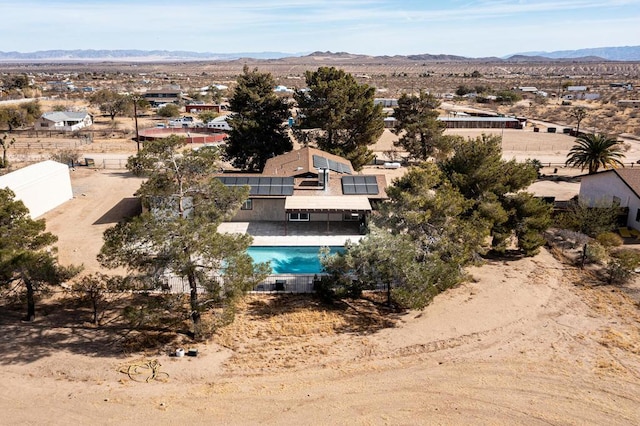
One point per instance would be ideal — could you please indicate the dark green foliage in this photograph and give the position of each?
(5, 145)
(24, 114)
(507, 96)
(19, 81)
(169, 111)
(207, 116)
(594, 151)
(27, 258)
(338, 115)
(463, 90)
(111, 103)
(590, 220)
(258, 129)
(528, 218)
(437, 220)
(178, 233)
(421, 134)
(478, 171)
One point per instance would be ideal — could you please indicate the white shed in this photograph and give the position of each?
(41, 187)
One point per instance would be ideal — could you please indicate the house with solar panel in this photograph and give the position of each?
(308, 185)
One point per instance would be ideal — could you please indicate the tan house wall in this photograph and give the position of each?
(263, 210)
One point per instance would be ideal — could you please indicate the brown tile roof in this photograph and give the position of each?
(299, 162)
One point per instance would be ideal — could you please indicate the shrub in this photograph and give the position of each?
(595, 253)
(622, 266)
(169, 110)
(609, 239)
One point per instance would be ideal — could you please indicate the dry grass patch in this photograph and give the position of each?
(273, 332)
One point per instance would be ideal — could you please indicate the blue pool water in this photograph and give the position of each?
(290, 259)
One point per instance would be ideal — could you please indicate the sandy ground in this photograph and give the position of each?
(520, 344)
(523, 342)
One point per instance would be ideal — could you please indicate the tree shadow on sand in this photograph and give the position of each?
(61, 326)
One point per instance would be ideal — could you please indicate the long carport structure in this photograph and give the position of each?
(328, 204)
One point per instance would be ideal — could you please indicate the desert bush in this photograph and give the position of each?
(595, 253)
(69, 156)
(622, 265)
(609, 239)
(169, 110)
(586, 219)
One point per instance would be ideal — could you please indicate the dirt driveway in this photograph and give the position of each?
(100, 199)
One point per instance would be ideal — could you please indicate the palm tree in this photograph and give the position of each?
(594, 151)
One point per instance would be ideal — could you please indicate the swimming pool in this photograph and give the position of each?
(291, 259)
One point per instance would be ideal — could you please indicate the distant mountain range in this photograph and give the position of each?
(623, 53)
(135, 55)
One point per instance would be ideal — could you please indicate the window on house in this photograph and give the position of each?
(351, 217)
(247, 205)
(298, 217)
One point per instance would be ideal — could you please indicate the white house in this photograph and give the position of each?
(67, 121)
(41, 187)
(614, 186)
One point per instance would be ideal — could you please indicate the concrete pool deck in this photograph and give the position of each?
(295, 234)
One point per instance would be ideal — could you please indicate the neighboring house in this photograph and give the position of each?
(163, 96)
(386, 102)
(196, 108)
(580, 93)
(308, 185)
(469, 122)
(41, 187)
(629, 103)
(66, 121)
(615, 186)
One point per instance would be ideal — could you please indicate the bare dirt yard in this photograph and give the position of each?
(530, 341)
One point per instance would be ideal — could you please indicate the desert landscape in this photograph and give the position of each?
(522, 341)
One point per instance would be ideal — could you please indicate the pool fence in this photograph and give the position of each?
(280, 283)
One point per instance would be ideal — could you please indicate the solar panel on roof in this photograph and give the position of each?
(344, 168)
(370, 180)
(361, 189)
(261, 185)
(349, 190)
(372, 188)
(320, 162)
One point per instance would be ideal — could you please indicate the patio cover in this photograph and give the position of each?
(326, 203)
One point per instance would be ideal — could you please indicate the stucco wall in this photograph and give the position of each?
(41, 187)
(601, 188)
(263, 210)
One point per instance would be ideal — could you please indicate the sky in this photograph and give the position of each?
(471, 28)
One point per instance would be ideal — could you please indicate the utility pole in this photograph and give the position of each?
(135, 117)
